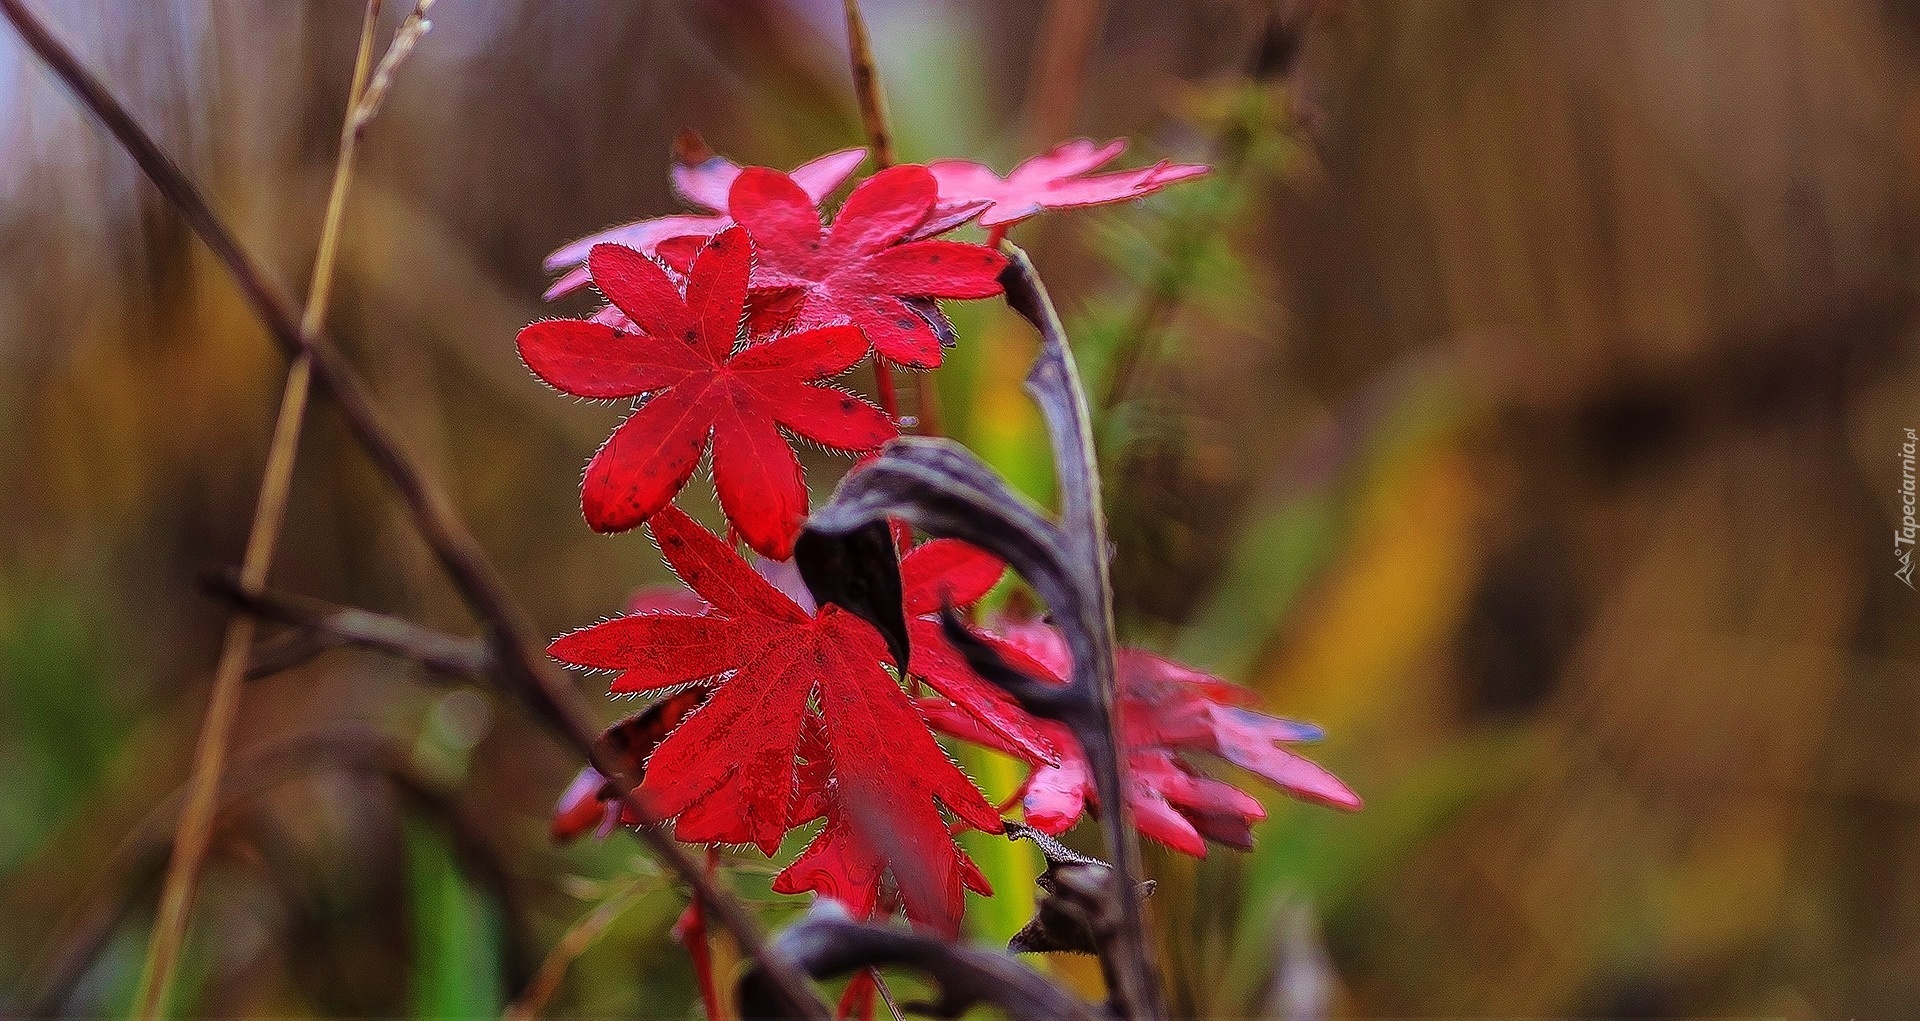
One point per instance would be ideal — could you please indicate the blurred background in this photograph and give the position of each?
(1521, 399)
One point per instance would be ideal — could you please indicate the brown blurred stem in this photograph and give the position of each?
(134, 866)
(269, 512)
(527, 674)
(346, 625)
(873, 116)
(866, 88)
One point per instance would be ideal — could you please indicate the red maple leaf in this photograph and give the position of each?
(1166, 711)
(865, 858)
(1056, 179)
(702, 383)
(866, 268)
(948, 572)
(703, 185)
(732, 772)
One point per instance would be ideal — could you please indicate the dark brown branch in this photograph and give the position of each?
(827, 944)
(523, 670)
(285, 651)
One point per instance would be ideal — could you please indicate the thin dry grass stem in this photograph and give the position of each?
(886, 996)
(129, 874)
(580, 936)
(866, 88)
(209, 758)
(873, 116)
(408, 36)
(526, 674)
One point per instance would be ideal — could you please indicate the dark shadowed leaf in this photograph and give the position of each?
(858, 571)
(1078, 899)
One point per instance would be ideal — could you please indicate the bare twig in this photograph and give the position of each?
(345, 625)
(286, 651)
(209, 757)
(526, 673)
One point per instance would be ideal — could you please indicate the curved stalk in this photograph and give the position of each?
(269, 512)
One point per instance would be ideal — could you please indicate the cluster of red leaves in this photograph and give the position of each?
(685, 353)
(784, 725)
(725, 328)
(1168, 712)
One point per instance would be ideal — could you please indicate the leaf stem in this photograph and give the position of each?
(1054, 381)
(333, 626)
(884, 389)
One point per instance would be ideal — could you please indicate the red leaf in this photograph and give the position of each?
(948, 572)
(1009, 727)
(790, 686)
(1166, 709)
(871, 830)
(704, 186)
(863, 267)
(673, 598)
(643, 236)
(1057, 179)
(856, 1001)
(684, 356)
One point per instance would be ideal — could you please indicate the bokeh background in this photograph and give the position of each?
(1521, 399)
